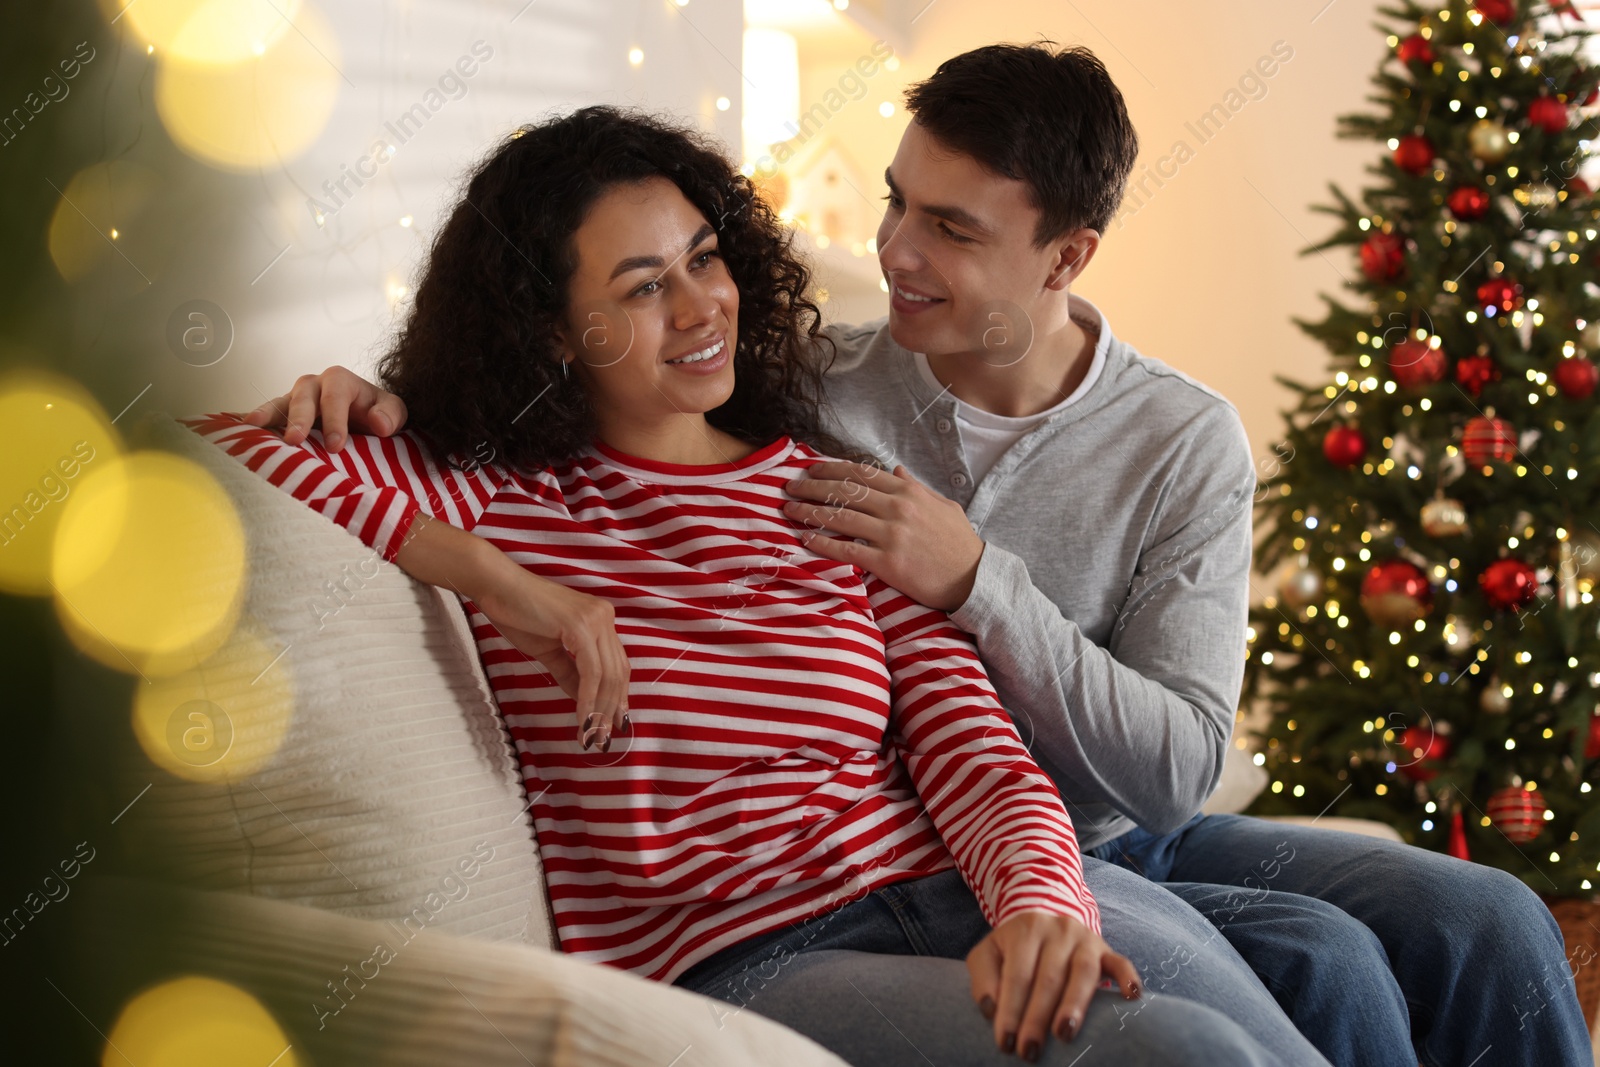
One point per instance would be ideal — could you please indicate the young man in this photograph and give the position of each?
(1084, 512)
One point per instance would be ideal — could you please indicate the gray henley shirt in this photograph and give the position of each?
(1111, 597)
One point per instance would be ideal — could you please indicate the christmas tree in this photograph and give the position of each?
(1429, 648)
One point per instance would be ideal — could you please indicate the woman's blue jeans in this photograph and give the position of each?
(1381, 953)
(880, 981)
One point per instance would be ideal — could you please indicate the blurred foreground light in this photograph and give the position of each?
(263, 110)
(148, 564)
(95, 205)
(52, 434)
(210, 32)
(223, 720)
(196, 1022)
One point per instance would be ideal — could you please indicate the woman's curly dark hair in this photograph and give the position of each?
(481, 343)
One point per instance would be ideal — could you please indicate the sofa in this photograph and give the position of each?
(337, 853)
(351, 860)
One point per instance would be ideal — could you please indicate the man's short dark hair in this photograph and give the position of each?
(1049, 117)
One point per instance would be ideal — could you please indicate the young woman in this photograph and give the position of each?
(790, 787)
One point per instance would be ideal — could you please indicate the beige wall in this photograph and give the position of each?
(1204, 271)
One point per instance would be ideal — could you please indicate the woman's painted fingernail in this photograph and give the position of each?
(627, 723)
(1030, 1051)
(588, 723)
(986, 1006)
(1008, 1044)
(606, 747)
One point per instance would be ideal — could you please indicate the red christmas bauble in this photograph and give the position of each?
(1576, 377)
(1508, 584)
(1591, 747)
(1518, 813)
(1414, 49)
(1578, 189)
(1594, 94)
(1501, 11)
(1414, 363)
(1383, 257)
(1487, 439)
(1417, 745)
(1344, 446)
(1549, 114)
(1468, 202)
(1475, 372)
(1502, 294)
(1396, 593)
(1458, 837)
(1414, 155)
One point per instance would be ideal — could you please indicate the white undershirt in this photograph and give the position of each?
(985, 436)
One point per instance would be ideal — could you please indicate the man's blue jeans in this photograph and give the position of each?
(1381, 953)
(880, 981)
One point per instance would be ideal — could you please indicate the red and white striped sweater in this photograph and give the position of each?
(801, 732)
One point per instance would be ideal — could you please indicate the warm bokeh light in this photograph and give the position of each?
(216, 32)
(224, 719)
(52, 434)
(196, 1022)
(149, 564)
(102, 200)
(266, 109)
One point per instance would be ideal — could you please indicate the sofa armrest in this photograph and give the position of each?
(433, 998)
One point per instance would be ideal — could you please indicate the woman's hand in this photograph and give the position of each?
(340, 400)
(1035, 974)
(573, 634)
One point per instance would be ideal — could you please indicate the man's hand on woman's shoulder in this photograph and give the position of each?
(338, 399)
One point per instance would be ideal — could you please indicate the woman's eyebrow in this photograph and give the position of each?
(640, 262)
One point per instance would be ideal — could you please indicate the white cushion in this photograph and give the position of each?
(434, 999)
(395, 777)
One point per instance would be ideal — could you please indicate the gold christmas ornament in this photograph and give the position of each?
(1590, 337)
(1493, 699)
(1300, 586)
(1444, 517)
(1489, 141)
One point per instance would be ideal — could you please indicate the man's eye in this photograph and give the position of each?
(952, 235)
(647, 288)
(895, 202)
